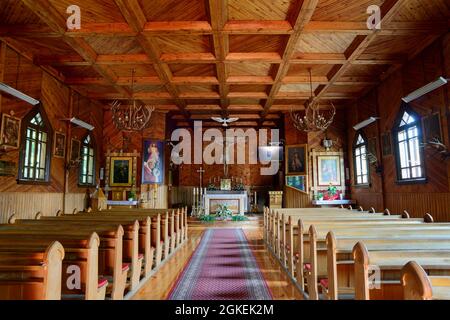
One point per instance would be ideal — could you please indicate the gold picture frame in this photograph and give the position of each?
(297, 160)
(10, 131)
(329, 170)
(59, 145)
(121, 172)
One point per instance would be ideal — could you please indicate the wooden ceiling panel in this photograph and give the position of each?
(245, 108)
(325, 42)
(174, 10)
(249, 88)
(97, 89)
(78, 72)
(147, 88)
(353, 89)
(45, 46)
(114, 45)
(125, 70)
(183, 44)
(423, 10)
(258, 10)
(200, 70)
(198, 88)
(366, 70)
(257, 43)
(15, 12)
(250, 69)
(98, 11)
(395, 45)
(339, 10)
(298, 88)
(245, 101)
(303, 69)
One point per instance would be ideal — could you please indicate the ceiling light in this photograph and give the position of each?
(19, 95)
(425, 89)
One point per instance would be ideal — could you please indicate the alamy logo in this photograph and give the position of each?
(221, 149)
(374, 20)
(74, 20)
(74, 279)
(374, 274)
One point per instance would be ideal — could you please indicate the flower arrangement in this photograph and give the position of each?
(239, 187)
(223, 212)
(212, 187)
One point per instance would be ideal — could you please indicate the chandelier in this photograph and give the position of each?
(131, 117)
(313, 120)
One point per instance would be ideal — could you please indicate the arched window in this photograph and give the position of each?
(35, 150)
(407, 134)
(87, 165)
(361, 162)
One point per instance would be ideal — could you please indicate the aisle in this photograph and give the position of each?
(222, 268)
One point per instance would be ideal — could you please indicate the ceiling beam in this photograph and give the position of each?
(48, 14)
(305, 13)
(217, 11)
(360, 44)
(135, 17)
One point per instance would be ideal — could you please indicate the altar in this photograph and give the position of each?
(237, 201)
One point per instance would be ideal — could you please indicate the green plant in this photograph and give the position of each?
(332, 190)
(208, 218)
(239, 218)
(319, 196)
(223, 212)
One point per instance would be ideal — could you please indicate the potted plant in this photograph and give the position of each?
(320, 196)
(332, 193)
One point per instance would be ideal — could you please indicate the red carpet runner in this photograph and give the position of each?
(222, 268)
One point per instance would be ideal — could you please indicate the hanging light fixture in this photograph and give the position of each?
(131, 117)
(313, 120)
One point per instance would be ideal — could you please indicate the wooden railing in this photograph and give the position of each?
(296, 198)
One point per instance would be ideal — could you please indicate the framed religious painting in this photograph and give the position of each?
(75, 146)
(10, 131)
(121, 172)
(59, 145)
(297, 160)
(225, 184)
(329, 170)
(386, 144)
(153, 162)
(432, 127)
(297, 183)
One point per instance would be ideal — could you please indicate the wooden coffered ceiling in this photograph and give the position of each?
(245, 58)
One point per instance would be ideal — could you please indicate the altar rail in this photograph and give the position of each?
(296, 199)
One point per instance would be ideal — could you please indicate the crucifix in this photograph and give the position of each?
(201, 172)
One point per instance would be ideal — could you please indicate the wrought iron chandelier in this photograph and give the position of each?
(131, 117)
(313, 120)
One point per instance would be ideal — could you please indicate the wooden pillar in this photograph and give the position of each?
(68, 150)
(3, 49)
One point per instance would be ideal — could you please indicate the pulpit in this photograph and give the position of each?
(276, 199)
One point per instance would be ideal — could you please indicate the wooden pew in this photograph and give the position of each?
(297, 239)
(31, 273)
(390, 264)
(338, 257)
(318, 256)
(111, 265)
(417, 285)
(79, 251)
(130, 239)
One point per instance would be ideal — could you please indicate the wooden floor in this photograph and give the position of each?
(159, 286)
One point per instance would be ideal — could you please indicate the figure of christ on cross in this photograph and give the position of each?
(201, 171)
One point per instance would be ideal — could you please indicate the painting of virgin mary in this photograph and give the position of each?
(153, 162)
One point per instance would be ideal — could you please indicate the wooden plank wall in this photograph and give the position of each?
(115, 140)
(26, 200)
(384, 101)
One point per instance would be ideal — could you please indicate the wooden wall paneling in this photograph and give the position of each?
(296, 199)
(3, 49)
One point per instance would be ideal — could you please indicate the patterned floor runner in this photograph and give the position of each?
(222, 268)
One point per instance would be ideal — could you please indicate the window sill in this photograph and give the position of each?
(86, 185)
(36, 183)
(412, 181)
(362, 186)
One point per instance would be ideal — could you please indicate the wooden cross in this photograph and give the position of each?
(201, 172)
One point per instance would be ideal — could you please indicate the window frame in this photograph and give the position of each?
(395, 131)
(94, 157)
(26, 123)
(354, 148)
